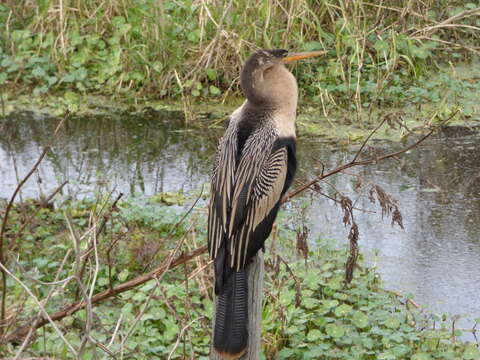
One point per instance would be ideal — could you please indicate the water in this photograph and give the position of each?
(436, 257)
(115, 152)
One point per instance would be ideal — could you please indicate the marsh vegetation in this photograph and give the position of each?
(112, 264)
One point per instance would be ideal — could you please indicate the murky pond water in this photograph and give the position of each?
(436, 257)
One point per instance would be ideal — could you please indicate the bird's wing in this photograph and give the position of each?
(259, 184)
(222, 183)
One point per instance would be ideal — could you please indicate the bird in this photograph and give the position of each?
(254, 166)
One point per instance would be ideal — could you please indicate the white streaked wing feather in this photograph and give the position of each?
(222, 187)
(265, 193)
(254, 155)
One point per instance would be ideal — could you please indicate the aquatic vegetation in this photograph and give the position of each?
(138, 50)
(308, 312)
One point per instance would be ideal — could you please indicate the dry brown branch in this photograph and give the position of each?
(90, 247)
(372, 160)
(352, 164)
(7, 212)
(448, 22)
(69, 309)
(387, 203)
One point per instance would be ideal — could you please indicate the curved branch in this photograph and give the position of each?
(5, 219)
(353, 163)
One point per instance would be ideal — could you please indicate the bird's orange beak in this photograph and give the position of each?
(302, 55)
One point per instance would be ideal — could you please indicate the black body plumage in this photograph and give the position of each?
(254, 166)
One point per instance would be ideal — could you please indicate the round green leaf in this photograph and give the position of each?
(214, 90)
(314, 335)
(392, 322)
(359, 319)
(421, 356)
(471, 352)
(211, 74)
(343, 310)
(334, 330)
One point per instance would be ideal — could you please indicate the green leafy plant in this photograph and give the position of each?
(377, 54)
(309, 312)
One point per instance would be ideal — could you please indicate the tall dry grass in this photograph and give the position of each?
(149, 45)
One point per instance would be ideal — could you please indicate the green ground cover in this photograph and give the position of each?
(413, 57)
(309, 313)
(140, 52)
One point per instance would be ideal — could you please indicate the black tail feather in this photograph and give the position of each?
(231, 321)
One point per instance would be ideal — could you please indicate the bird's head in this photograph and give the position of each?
(265, 81)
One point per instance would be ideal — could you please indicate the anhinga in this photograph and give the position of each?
(254, 167)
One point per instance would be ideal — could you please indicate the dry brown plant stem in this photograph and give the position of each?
(158, 278)
(5, 219)
(101, 296)
(353, 163)
(90, 248)
(172, 262)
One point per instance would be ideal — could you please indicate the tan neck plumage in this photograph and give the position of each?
(285, 123)
(283, 92)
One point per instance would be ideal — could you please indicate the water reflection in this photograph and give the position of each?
(436, 257)
(134, 155)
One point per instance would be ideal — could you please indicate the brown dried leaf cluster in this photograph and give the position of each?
(387, 203)
(353, 235)
(302, 243)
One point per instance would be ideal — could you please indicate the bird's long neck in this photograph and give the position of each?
(250, 81)
(285, 122)
(271, 96)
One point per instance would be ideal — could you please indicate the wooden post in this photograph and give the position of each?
(256, 273)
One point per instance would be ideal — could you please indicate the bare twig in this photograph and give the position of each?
(115, 331)
(48, 319)
(44, 301)
(47, 200)
(181, 334)
(298, 292)
(352, 164)
(158, 279)
(385, 119)
(7, 212)
(90, 247)
(170, 233)
(338, 202)
(448, 22)
(70, 309)
(356, 162)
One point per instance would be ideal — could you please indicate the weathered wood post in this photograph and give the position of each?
(256, 272)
